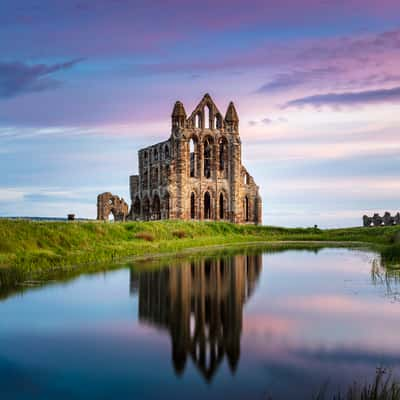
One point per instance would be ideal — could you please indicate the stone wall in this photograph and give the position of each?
(377, 220)
(107, 204)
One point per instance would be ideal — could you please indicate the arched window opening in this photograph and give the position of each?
(221, 207)
(246, 208)
(223, 155)
(166, 151)
(218, 121)
(146, 208)
(145, 179)
(166, 205)
(111, 216)
(156, 207)
(197, 121)
(155, 155)
(145, 156)
(193, 157)
(246, 179)
(136, 207)
(154, 179)
(166, 174)
(207, 205)
(192, 206)
(207, 117)
(207, 157)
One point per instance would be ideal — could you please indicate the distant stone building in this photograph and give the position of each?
(197, 174)
(377, 220)
(109, 204)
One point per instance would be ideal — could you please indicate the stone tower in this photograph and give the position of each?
(197, 174)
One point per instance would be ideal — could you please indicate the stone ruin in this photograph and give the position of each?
(107, 204)
(196, 174)
(386, 220)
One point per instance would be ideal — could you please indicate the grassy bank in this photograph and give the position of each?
(31, 246)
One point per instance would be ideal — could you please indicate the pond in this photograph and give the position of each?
(243, 325)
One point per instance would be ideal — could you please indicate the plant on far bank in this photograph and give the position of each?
(391, 255)
(149, 237)
(179, 234)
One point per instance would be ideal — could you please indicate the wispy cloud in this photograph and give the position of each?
(349, 98)
(268, 121)
(298, 78)
(17, 78)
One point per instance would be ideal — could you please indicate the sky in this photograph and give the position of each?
(85, 84)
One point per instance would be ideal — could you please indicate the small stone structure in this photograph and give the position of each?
(107, 204)
(377, 220)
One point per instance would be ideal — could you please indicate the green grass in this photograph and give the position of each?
(32, 246)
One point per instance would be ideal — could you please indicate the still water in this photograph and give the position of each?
(240, 326)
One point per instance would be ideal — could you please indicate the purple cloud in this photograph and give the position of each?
(297, 78)
(17, 78)
(268, 121)
(348, 98)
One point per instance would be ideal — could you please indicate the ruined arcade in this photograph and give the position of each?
(197, 174)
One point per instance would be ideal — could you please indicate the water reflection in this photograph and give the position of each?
(389, 278)
(234, 325)
(200, 304)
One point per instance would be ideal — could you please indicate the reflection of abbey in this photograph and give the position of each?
(196, 174)
(200, 304)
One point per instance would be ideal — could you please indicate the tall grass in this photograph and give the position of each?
(382, 388)
(32, 245)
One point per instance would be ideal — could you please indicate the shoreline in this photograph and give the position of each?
(34, 248)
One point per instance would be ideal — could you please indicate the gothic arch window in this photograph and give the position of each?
(193, 157)
(166, 174)
(166, 151)
(198, 121)
(221, 206)
(207, 157)
(155, 177)
(136, 207)
(246, 179)
(192, 206)
(207, 205)
(146, 208)
(246, 209)
(223, 156)
(145, 155)
(167, 206)
(218, 121)
(145, 179)
(155, 153)
(207, 117)
(156, 207)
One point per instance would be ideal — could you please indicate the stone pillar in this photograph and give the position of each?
(235, 180)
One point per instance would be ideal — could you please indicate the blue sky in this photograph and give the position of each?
(84, 85)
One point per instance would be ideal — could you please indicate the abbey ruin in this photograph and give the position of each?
(377, 220)
(197, 174)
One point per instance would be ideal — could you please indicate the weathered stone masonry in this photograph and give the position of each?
(377, 220)
(197, 173)
(107, 204)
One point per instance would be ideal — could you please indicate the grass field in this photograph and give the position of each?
(31, 245)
